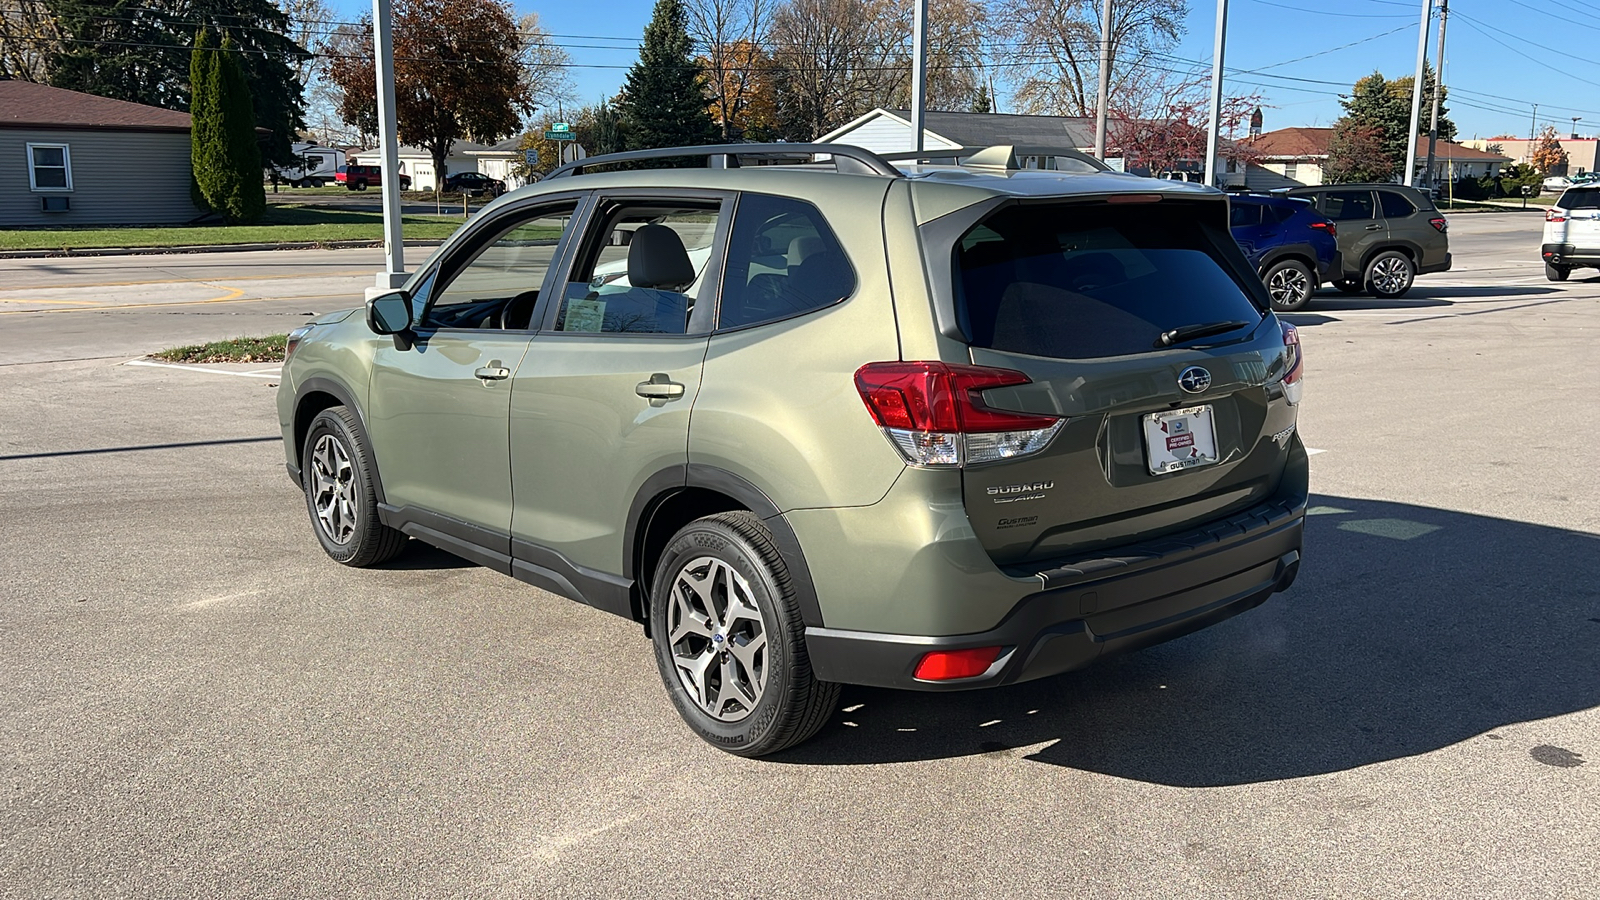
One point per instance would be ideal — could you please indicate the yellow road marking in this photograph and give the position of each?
(197, 280)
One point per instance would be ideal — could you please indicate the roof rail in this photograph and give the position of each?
(846, 158)
(956, 154)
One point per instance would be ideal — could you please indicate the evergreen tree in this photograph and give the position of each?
(120, 49)
(1402, 90)
(664, 101)
(223, 150)
(1373, 104)
(138, 50)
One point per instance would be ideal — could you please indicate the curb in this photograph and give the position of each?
(205, 248)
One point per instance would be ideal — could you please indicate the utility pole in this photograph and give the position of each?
(919, 73)
(1533, 127)
(1105, 82)
(1416, 96)
(1438, 87)
(394, 274)
(1216, 93)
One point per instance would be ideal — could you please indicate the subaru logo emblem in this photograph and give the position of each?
(717, 638)
(1194, 379)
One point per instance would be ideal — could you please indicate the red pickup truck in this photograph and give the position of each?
(358, 178)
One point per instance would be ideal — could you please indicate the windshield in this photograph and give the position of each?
(1083, 281)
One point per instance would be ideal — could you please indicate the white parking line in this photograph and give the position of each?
(262, 373)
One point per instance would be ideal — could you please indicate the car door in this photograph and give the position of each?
(601, 402)
(439, 409)
(1360, 230)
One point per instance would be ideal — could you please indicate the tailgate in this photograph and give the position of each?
(1143, 327)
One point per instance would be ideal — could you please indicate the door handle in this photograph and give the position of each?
(659, 388)
(494, 371)
(1374, 227)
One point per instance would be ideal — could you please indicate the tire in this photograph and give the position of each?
(336, 476)
(776, 702)
(1290, 284)
(1557, 273)
(1349, 287)
(1389, 275)
(361, 185)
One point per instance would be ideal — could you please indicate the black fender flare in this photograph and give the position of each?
(1303, 252)
(663, 484)
(336, 389)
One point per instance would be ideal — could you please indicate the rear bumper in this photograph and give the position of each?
(1569, 255)
(1436, 267)
(1329, 269)
(1091, 608)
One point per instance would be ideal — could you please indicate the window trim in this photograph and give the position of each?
(601, 201)
(466, 244)
(66, 166)
(855, 276)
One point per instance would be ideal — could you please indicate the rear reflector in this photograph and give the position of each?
(934, 414)
(944, 665)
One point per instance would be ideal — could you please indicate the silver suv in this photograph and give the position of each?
(931, 427)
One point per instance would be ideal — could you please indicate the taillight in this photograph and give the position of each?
(1293, 382)
(1329, 227)
(1439, 224)
(934, 414)
(943, 665)
(1555, 215)
(294, 341)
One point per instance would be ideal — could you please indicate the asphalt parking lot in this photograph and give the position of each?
(199, 703)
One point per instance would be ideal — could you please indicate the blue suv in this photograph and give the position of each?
(1291, 245)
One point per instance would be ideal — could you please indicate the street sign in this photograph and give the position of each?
(553, 135)
(560, 126)
(532, 158)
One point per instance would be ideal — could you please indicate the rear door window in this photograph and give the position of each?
(1243, 215)
(783, 260)
(663, 246)
(1087, 281)
(1394, 205)
(1342, 206)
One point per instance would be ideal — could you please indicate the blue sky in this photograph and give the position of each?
(1302, 53)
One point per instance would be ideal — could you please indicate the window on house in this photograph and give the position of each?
(1291, 170)
(49, 167)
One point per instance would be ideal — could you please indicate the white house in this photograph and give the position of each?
(889, 131)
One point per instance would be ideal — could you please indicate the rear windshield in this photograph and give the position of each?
(1580, 198)
(1079, 282)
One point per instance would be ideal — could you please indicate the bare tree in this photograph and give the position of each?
(548, 66)
(835, 59)
(28, 35)
(1057, 46)
(728, 35)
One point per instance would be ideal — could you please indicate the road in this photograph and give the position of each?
(199, 703)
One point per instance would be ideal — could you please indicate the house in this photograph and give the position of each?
(499, 161)
(68, 158)
(418, 163)
(1299, 155)
(889, 131)
(1583, 154)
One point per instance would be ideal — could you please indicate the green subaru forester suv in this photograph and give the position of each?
(844, 421)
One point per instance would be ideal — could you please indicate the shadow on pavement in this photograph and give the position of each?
(1409, 629)
(419, 556)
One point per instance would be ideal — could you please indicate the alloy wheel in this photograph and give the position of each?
(1391, 275)
(1288, 286)
(333, 489)
(717, 639)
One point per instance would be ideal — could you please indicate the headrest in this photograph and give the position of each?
(801, 248)
(656, 259)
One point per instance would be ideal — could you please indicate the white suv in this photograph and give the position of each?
(1572, 233)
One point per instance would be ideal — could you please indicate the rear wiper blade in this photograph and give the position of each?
(1190, 332)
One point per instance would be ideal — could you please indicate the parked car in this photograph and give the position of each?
(359, 178)
(1555, 184)
(959, 430)
(1572, 233)
(1292, 246)
(1388, 235)
(474, 183)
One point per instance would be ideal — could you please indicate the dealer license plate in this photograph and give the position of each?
(1180, 439)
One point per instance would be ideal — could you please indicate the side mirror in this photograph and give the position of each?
(391, 314)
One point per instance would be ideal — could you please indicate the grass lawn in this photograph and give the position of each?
(244, 350)
(281, 223)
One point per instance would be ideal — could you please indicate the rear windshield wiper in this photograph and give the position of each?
(1190, 332)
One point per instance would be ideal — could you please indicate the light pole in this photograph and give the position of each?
(1575, 121)
(1216, 93)
(1416, 96)
(919, 73)
(1105, 82)
(394, 274)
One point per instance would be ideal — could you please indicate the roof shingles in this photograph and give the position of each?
(24, 104)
